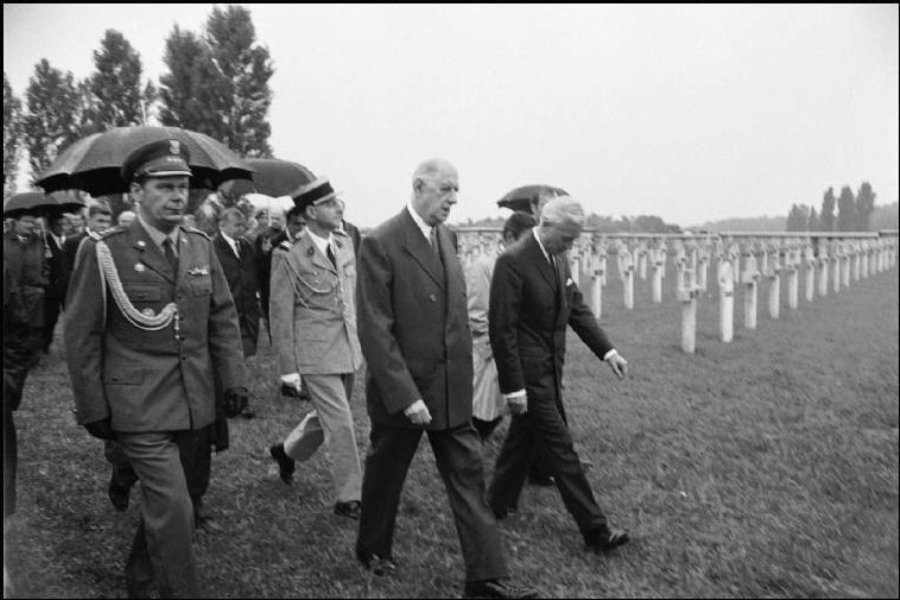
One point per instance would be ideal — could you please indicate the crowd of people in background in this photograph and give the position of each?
(439, 361)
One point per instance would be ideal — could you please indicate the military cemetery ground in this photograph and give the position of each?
(762, 467)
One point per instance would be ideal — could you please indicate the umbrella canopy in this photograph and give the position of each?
(271, 176)
(40, 202)
(94, 163)
(522, 198)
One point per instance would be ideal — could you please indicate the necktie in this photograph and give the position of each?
(170, 254)
(237, 249)
(330, 254)
(433, 239)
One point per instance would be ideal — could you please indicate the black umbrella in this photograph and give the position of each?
(523, 198)
(271, 176)
(94, 163)
(39, 202)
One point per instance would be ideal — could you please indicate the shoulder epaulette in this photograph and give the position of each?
(197, 231)
(106, 232)
(340, 232)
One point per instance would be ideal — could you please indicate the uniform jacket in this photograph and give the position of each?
(413, 325)
(530, 307)
(312, 308)
(241, 274)
(151, 380)
(29, 269)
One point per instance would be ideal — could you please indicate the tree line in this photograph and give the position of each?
(216, 83)
(853, 212)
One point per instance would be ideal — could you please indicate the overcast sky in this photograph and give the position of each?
(691, 113)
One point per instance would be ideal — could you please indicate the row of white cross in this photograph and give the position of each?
(740, 259)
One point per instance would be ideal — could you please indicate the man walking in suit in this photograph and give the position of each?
(533, 298)
(313, 312)
(149, 324)
(239, 265)
(415, 337)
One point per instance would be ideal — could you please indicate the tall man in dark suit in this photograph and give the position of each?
(238, 261)
(415, 337)
(533, 299)
(145, 340)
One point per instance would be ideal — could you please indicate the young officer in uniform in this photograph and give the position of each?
(149, 324)
(313, 312)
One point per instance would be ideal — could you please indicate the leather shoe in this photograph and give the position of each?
(350, 509)
(608, 540)
(379, 566)
(285, 463)
(118, 495)
(496, 588)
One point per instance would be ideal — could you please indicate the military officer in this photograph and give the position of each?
(149, 324)
(313, 312)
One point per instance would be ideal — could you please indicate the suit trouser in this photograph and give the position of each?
(330, 423)
(542, 433)
(458, 455)
(161, 550)
(52, 306)
(194, 450)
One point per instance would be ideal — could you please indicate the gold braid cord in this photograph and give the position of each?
(108, 274)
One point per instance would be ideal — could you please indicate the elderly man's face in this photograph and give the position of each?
(561, 236)
(435, 195)
(233, 227)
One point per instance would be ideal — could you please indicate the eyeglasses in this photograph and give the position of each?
(334, 202)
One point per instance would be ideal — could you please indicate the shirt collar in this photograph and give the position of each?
(320, 242)
(420, 223)
(540, 245)
(158, 236)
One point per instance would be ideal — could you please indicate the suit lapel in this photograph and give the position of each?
(543, 265)
(185, 255)
(151, 255)
(419, 248)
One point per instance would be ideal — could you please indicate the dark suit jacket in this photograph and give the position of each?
(244, 285)
(69, 250)
(413, 325)
(529, 310)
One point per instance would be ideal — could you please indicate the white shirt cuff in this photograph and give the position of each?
(514, 395)
(610, 354)
(292, 379)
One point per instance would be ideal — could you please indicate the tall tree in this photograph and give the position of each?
(814, 223)
(797, 219)
(245, 68)
(826, 215)
(865, 206)
(116, 83)
(12, 137)
(846, 218)
(218, 84)
(53, 117)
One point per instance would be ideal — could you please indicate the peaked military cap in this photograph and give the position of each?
(313, 193)
(165, 158)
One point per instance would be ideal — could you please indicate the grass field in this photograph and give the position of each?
(767, 467)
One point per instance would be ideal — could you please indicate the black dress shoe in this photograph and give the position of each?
(118, 495)
(496, 588)
(379, 566)
(289, 391)
(502, 513)
(608, 540)
(285, 463)
(348, 509)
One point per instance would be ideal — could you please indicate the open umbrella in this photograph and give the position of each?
(522, 198)
(42, 203)
(93, 164)
(271, 176)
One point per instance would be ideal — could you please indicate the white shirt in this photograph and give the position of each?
(424, 227)
(320, 242)
(159, 237)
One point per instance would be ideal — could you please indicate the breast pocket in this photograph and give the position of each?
(143, 293)
(201, 286)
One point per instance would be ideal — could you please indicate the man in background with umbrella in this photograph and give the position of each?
(99, 219)
(25, 273)
(150, 324)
